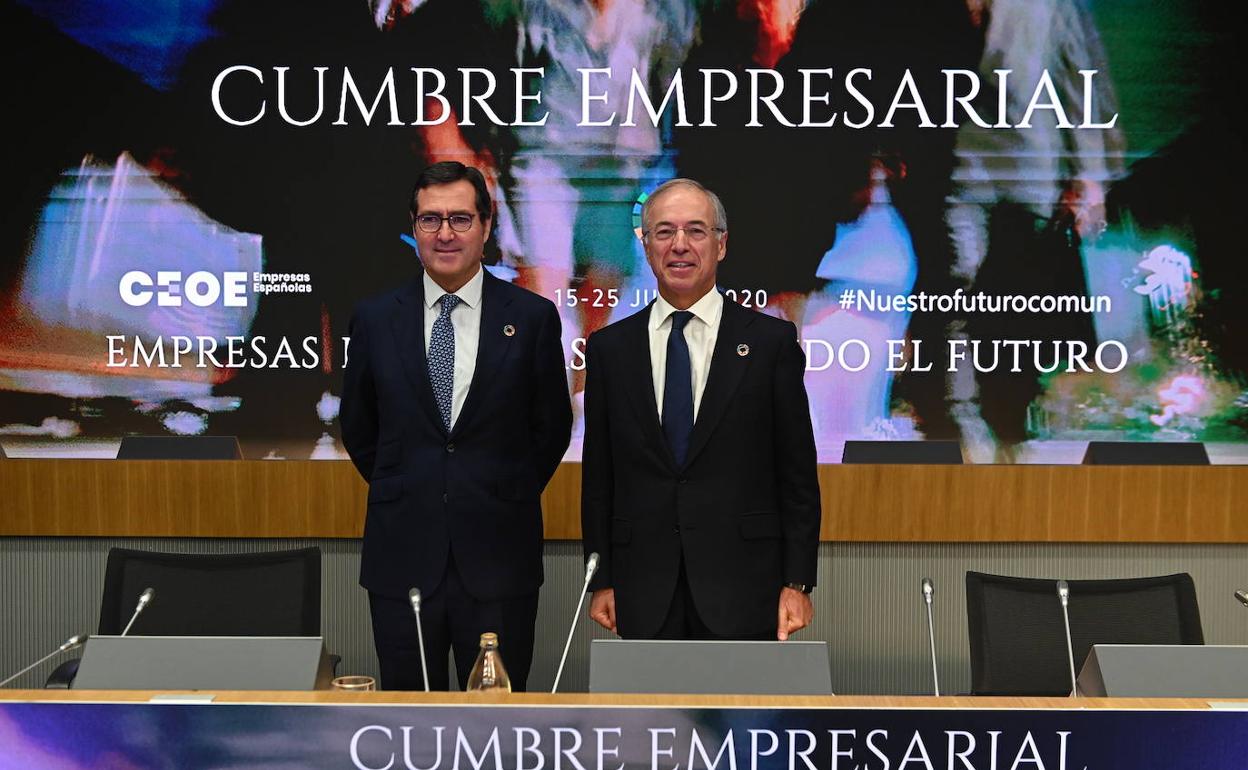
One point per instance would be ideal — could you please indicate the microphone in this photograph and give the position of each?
(72, 643)
(1063, 594)
(145, 599)
(591, 566)
(929, 590)
(1243, 597)
(413, 596)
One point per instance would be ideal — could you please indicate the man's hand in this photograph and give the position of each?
(602, 608)
(795, 612)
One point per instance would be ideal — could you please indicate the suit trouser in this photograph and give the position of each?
(452, 620)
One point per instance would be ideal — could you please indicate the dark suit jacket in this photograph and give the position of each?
(476, 492)
(744, 509)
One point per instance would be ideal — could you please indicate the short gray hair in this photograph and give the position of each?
(721, 216)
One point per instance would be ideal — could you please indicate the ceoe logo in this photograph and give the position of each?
(200, 288)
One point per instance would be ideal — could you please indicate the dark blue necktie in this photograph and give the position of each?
(678, 389)
(442, 358)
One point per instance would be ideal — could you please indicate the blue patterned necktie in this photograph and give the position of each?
(678, 389)
(442, 358)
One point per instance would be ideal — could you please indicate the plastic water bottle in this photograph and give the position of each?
(488, 674)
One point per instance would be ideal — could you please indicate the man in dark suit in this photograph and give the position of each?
(700, 492)
(455, 409)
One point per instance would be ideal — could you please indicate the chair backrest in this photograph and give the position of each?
(1018, 640)
(179, 448)
(274, 593)
(929, 452)
(1145, 453)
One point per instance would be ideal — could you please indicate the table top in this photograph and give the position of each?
(451, 699)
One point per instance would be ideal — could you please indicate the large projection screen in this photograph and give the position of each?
(1006, 222)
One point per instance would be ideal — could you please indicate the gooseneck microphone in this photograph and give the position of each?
(1063, 594)
(71, 643)
(413, 596)
(929, 590)
(1243, 597)
(145, 599)
(591, 566)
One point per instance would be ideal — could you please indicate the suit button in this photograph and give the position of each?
(676, 529)
(682, 480)
(450, 447)
(446, 498)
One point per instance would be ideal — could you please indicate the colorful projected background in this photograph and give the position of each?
(183, 242)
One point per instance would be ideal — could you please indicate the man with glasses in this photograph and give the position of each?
(699, 492)
(455, 410)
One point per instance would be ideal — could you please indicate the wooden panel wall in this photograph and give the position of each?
(863, 503)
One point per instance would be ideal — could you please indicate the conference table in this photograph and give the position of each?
(535, 731)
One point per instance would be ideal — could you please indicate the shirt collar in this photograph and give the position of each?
(708, 309)
(469, 294)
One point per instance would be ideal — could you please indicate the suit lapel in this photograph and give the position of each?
(409, 329)
(727, 367)
(492, 345)
(638, 369)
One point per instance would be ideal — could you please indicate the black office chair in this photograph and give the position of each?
(1145, 453)
(179, 448)
(933, 452)
(272, 593)
(1018, 639)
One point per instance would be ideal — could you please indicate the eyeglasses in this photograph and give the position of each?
(431, 223)
(695, 233)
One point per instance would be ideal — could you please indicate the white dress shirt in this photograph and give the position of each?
(466, 321)
(700, 334)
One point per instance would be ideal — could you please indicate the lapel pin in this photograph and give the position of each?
(509, 331)
(743, 350)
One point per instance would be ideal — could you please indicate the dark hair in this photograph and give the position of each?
(449, 171)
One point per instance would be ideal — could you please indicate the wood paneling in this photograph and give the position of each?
(169, 498)
(1035, 503)
(863, 503)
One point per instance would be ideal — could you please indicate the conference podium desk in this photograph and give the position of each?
(600, 700)
(534, 731)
